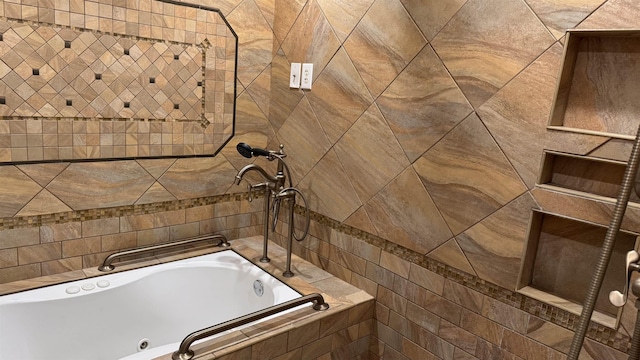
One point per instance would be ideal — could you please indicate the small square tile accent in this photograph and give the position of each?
(67, 44)
(126, 51)
(176, 106)
(152, 80)
(35, 71)
(127, 105)
(69, 102)
(3, 100)
(176, 57)
(98, 76)
(1, 37)
(199, 83)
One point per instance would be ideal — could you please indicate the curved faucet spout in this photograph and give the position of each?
(254, 167)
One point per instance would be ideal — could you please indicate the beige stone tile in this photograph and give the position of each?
(156, 193)
(300, 336)
(549, 334)
(415, 352)
(100, 227)
(484, 55)
(559, 16)
(303, 152)
(378, 52)
(43, 173)
(11, 238)
(422, 229)
(156, 167)
(328, 189)
(487, 350)
(61, 266)
(462, 295)
(426, 279)
(43, 203)
(8, 258)
(214, 176)
(255, 46)
(423, 104)
(360, 220)
(505, 315)
(458, 337)
(432, 15)
(39, 253)
(524, 347)
(100, 184)
(422, 317)
(20, 273)
(84, 246)
(467, 175)
(482, 327)
(494, 246)
(621, 14)
(392, 300)
(286, 13)
(371, 153)
(451, 254)
(339, 96)
(395, 264)
(16, 190)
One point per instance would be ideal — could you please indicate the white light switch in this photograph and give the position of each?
(307, 76)
(294, 78)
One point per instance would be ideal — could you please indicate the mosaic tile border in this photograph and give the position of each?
(552, 314)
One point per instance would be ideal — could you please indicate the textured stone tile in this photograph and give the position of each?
(505, 315)
(451, 254)
(61, 266)
(484, 55)
(525, 348)
(518, 114)
(212, 176)
(39, 253)
(619, 14)
(488, 351)
(43, 203)
(559, 16)
(311, 39)
(156, 193)
(254, 46)
(11, 238)
(84, 246)
(550, 334)
(422, 229)
(482, 327)
(16, 190)
(303, 152)
(20, 273)
(283, 100)
(426, 279)
(156, 167)
(43, 173)
(395, 264)
(100, 184)
(339, 96)
(467, 175)
(592, 350)
(361, 220)
(344, 15)
(286, 12)
(328, 189)
(432, 15)
(423, 104)
(462, 295)
(494, 245)
(415, 352)
(458, 337)
(380, 52)
(601, 85)
(371, 153)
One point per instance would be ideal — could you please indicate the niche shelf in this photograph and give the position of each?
(559, 256)
(598, 85)
(585, 176)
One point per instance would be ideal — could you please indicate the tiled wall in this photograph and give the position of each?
(420, 141)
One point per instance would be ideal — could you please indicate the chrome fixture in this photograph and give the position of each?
(184, 353)
(274, 192)
(107, 263)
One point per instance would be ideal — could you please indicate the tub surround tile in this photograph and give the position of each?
(550, 334)
(99, 184)
(303, 152)
(13, 238)
(525, 348)
(214, 176)
(423, 104)
(43, 173)
(283, 100)
(332, 194)
(621, 14)
(371, 153)
(559, 16)
(494, 245)
(254, 47)
(422, 229)
(339, 96)
(156, 167)
(61, 265)
(481, 327)
(469, 43)
(344, 15)
(432, 15)
(311, 39)
(467, 175)
(519, 125)
(156, 193)
(378, 52)
(39, 253)
(43, 203)
(286, 13)
(361, 220)
(16, 190)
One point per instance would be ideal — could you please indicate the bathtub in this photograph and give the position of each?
(137, 314)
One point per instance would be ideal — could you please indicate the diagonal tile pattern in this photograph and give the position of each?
(378, 54)
(482, 55)
(467, 175)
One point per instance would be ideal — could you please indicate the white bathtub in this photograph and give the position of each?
(110, 317)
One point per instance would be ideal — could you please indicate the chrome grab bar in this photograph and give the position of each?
(107, 263)
(184, 353)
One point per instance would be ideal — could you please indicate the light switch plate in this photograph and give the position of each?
(294, 78)
(307, 76)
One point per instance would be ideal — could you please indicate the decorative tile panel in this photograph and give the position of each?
(87, 90)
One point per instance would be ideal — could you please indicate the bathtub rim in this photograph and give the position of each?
(353, 304)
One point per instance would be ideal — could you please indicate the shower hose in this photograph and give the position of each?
(605, 253)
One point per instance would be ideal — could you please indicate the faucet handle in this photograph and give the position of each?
(616, 297)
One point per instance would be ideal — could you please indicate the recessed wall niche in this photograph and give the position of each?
(560, 254)
(598, 84)
(101, 77)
